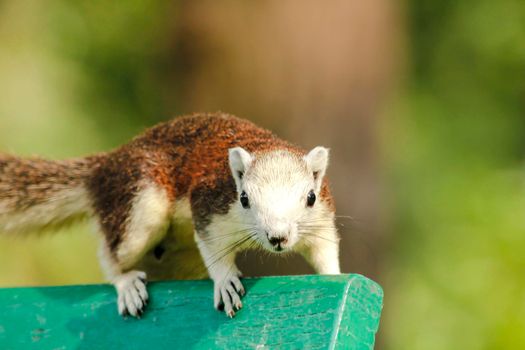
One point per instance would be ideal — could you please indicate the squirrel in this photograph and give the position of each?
(239, 185)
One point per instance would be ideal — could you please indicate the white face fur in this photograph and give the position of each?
(279, 193)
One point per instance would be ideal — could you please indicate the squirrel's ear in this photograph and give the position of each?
(317, 162)
(239, 160)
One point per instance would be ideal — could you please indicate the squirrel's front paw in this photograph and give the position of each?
(227, 294)
(132, 293)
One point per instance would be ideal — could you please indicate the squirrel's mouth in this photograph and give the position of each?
(277, 249)
(280, 248)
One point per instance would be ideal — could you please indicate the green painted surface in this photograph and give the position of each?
(294, 312)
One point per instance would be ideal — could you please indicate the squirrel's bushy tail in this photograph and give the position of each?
(36, 194)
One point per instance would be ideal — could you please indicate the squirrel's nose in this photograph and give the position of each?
(277, 240)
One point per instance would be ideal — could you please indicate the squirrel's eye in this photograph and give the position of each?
(244, 200)
(310, 199)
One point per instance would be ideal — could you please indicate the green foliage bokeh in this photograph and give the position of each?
(455, 154)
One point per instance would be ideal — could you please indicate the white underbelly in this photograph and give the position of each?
(177, 255)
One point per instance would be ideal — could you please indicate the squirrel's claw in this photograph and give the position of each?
(227, 295)
(132, 293)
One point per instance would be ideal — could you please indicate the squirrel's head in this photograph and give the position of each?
(280, 193)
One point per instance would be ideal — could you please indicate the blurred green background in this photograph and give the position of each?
(421, 102)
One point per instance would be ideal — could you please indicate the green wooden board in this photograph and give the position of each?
(293, 312)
